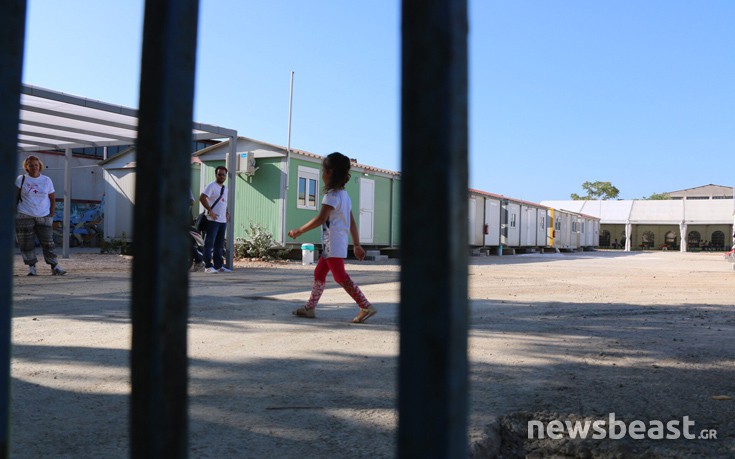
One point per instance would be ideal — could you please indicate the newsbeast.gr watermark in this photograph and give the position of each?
(615, 429)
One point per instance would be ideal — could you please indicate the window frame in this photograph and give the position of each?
(308, 174)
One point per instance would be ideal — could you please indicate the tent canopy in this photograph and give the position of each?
(51, 120)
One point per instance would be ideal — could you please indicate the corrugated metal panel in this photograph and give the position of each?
(396, 219)
(296, 217)
(119, 201)
(705, 190)
(257, 199)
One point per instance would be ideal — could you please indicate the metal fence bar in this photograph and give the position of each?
(159, 411)
(433, 388)
(12, 36)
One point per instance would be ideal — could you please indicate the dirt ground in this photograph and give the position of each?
(646, 336)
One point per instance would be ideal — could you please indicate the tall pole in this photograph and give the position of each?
(290, 111)
(12, 37)
(433, 388)
(288, 166)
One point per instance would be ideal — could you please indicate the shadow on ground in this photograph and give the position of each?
(270, 385)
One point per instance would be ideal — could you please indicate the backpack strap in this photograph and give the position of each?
(18, 198)
(221, 192)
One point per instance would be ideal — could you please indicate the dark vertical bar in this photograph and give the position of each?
(433, 388)
(159, 412)
(12, 35)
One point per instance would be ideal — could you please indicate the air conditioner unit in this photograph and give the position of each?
(246, 163)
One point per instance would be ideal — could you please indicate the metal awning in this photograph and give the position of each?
(51, 120)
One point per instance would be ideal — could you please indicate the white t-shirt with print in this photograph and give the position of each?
(336, 230)
(212, 191)
(34, 195)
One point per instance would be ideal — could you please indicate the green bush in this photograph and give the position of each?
(121, 246)
(256, 244)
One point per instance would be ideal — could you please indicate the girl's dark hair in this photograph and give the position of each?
(339, 164)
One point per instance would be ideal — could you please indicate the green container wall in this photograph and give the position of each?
(381, 215)
(257, 200)
(396, 222)
(209, 168)
(195, 188)
(382, 221)
(256, 196)
(296, 217)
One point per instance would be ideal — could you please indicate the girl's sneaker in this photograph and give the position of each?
(309, 313)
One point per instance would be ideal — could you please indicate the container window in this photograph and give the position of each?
(308, 183)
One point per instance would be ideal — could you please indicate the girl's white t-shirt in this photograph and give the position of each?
(336, 230)
(34, 195)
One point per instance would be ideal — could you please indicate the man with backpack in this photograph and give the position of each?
(214, 200)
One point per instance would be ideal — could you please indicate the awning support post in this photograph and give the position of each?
(231, 185)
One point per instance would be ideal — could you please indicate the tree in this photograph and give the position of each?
(658, 197)
(597, 190)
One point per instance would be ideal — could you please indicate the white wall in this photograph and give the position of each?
(120, 198)
(87, 179)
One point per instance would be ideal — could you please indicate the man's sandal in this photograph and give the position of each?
(364, 314)
(309, 313)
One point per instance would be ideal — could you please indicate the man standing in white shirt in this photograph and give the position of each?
(214, 200)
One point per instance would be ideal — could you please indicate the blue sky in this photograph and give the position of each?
(641, 94)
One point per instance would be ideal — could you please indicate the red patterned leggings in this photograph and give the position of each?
(337, 267)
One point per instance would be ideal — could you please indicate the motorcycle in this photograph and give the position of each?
(196, 254)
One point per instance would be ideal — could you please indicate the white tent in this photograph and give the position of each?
(680, 212)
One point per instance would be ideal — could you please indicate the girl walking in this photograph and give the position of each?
(337, 222)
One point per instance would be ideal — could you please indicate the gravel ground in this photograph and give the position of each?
(646, 336)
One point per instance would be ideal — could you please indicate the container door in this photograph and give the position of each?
(541, 228)
(492, 216)
(473, 219)
(367, 209)
(513, 225)
(528, 237)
